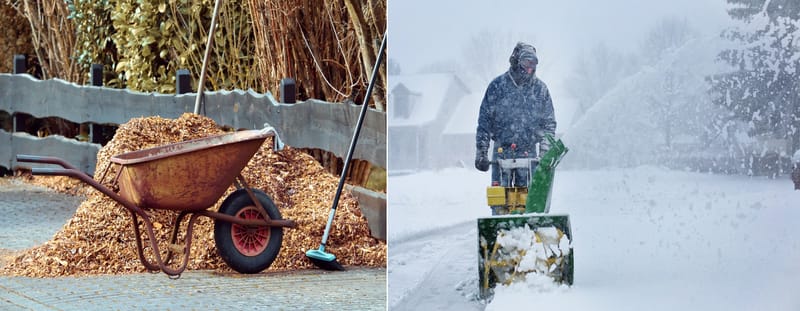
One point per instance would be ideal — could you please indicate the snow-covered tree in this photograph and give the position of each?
(486, 54)
(667, 35)
(658, 114)
(665, 100)
(764, 87)
(669, 93)
(599, 70)
(595, 73)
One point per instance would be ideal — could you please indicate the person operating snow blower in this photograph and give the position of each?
(517, 112)
(521, 238)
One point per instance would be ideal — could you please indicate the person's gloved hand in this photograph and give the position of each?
(481, 161)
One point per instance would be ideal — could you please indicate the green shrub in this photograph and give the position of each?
(142, 43)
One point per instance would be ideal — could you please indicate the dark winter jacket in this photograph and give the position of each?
(512, 114)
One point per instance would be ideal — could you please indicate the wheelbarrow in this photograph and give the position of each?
(189, 177)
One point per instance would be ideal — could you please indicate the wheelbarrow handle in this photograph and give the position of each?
(49, 171)
(44, 159)
(73, 172)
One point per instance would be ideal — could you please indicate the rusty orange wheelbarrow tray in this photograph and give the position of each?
(190, 177)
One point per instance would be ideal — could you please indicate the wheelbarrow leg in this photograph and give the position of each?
(159, 264)
(136, 211)
(139, 247)
(186, 249)
(176, 227)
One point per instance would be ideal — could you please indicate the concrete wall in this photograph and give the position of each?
(373, 206)
(81, 155)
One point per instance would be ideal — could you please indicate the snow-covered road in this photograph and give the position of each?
(644, 239)
(444, 259)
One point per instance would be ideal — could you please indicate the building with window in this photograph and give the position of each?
(432, 120)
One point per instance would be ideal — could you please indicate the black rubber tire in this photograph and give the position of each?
(223, 238)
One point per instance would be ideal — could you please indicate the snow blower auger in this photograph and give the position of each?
(523, 238)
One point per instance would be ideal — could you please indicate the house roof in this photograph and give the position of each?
(465, 116)
(432, 88)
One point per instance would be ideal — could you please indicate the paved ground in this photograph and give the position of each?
(355, 289)
(32, 215)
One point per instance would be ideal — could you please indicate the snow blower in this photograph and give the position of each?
(523, 238)
(319, 257)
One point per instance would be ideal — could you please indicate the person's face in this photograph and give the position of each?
(528, 65)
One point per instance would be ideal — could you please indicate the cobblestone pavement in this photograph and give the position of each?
(355, 289)
(31, 215)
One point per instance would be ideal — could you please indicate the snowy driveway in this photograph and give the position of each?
(645, 239)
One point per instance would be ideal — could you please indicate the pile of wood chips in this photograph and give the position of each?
(99, 239)
(61, 184)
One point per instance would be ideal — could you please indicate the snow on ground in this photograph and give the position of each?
(435, 199)
(644, 239)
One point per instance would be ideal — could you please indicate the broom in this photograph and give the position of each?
(319, 257)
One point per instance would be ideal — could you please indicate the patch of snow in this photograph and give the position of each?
(644, 238)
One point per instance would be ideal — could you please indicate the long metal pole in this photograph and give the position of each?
(354, 140)
(202, 82)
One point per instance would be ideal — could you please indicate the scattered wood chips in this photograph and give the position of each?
(99, 238)
(61, 184)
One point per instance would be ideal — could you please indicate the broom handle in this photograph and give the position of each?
(355, 139)
(210, 41)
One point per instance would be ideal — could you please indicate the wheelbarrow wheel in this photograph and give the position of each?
(248, 249)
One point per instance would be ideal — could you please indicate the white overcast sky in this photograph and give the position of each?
(429, 31)
(422, 32)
